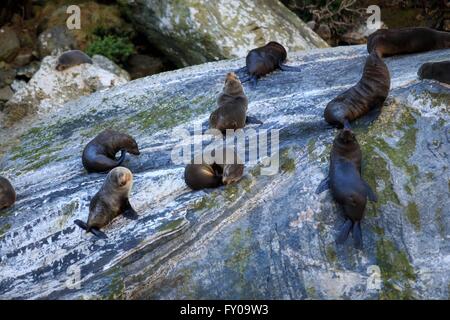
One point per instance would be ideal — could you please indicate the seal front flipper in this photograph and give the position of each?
(324, 185)
(252, 120)
(289, 68)
(81, 224)
(357, 235)
(344, 231)
(129, 212)
(370, 194)
(99, 234)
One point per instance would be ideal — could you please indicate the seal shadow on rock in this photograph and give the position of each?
(72, 58)
(109, 202)
(368, 94)
(264, 60)
(99, 155)
(232, 105)
(347, 186)
(7, 194)
(206, 173)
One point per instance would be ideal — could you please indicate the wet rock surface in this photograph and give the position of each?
(264, 237)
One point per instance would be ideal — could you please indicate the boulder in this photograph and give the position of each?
(49, 88)
(55, 39)
(192, 32)
(106, 64)
(268, 236)
(141, 65)
(10, 44)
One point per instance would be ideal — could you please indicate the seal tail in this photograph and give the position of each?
(357, 235)
(344, 231)
(121, 158)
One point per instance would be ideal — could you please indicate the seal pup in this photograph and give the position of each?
(439, 71)
(368, 94)
(99, 155)
(389, 42)
(263, 60)
(232, 104)
(7, 193)
(110, 201)
(346, 184)
(72, 58)
(205, 174)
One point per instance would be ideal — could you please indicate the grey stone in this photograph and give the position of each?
(10, 44)
(192, 32)
(264, 237)
(55, 39)
(106, 64)
(6, 93)
(7, 76)
(140, 65)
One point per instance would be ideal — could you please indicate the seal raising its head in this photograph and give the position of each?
(72, 58)
(110, 201)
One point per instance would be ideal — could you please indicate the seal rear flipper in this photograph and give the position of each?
(357, 235)
(244, 69)
(81, 224)
(252, 120)
(370, 194)
(324, 185)
(129, 212)
(99, 234)
(344, 232)
(289, 68)
(121, 158)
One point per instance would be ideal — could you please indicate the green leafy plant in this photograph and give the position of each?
(113, 47)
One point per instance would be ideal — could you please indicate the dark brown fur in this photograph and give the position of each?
(202, 174)
(389, 42)
(99, 155)
(110, 201)
(231, 106)
(439, 71)
(7, 194)
(72, 58)
(369, 93)
(346, 185)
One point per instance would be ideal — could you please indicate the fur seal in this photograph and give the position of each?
(212, 175)
(7, 194)
(99, 155)
(110, 201)
(439, 71)
(232, 103)
(346, 185)
(263, 60)
(389, 42)
(72, 58)
(368, 94)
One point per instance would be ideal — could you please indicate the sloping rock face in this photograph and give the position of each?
(193, 32)
(49, 88)
(264, 237)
